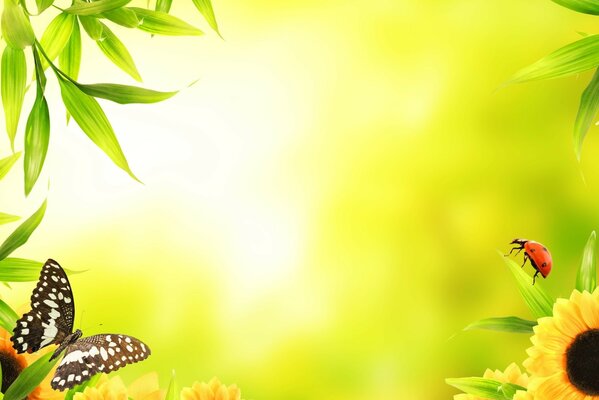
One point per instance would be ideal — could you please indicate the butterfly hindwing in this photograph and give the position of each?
(94, 354)
(52, 311)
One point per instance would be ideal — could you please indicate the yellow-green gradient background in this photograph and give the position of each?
(321, 212)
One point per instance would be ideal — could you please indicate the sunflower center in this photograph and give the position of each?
(582, 362)
(11, 368)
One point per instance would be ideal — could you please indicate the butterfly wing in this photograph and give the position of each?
(52, 311)
(94, 354)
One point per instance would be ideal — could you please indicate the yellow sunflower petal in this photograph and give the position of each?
(554, 388)
(589, 308)
(145, 387)
(568, 319)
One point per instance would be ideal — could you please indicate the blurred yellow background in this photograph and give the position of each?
(321, 212)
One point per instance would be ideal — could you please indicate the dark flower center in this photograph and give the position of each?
(11, 368)
(582, 362)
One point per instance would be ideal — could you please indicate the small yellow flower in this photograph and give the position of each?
(212, 390)
(144, 388)
(512, 374)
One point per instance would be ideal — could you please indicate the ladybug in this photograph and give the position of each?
(539, 256)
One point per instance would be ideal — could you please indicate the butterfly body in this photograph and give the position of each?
(50, 321)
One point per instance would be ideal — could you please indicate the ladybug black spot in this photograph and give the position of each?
(532, 250)
(545, 249)
(544, 264)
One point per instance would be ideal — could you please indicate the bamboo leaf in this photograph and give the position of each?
(22, 270)
(95, 7)
(7, 163)
(164, 24)
(57, 35)
(30, 378)
(124, 94)
(20, 236)
(43, 5)
(583, 6)
(586, 278)
(122, 16)
(163, 5)
(116, 52)
(16, 28)
(537, 300)
(93, 27)
(8, 317)
(70, 58)
(481, 387)
(13, 84)
(587, 110)
(91, 119)
(37, 137)
(91, 382)
(205, 7)
(571, 59)
(504, 324)
(7, 218)
(171, 392)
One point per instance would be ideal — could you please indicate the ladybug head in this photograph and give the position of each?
(545, 268)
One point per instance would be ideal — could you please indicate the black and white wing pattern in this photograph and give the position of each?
(94, 354)
(52, 312)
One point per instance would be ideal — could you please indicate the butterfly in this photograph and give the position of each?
(50, 321)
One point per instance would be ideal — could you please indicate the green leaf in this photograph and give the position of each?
(7, 218)
(587, 110)
(91, 119)
(7, 163)
(30, 378)
(116, 52)
(537, 300)
(93, 27)
(20, 236)
(57, 35)
(571, 59)
(504, 324)
(171, 392)
(163, 24)
(37, 137)
(70, 58)
(510, 389)
(8, 317)
(95, 7)
(124, 94)
(13, 85)
(22, 270)
(91, 382)
(122, 16)
(43, 4)
(586, 278)
(205, 7)
(16, 28)
(583, 6)
(163, 5)
(481, 387)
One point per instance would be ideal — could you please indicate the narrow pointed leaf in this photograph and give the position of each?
(163, 5)
(116, 52)
(43, 5)
(16, 28)
(586, 279)
(587, 110)
(7, 163)
(30, 378)
(573, 58)
(171, 392)
(37, 137)
(57, 35)
(164, 24)
(537, 300)
(95, 7)
(122, 16)
(8, 218)
(93, 27)
(70, 58)
(583, 6)
(510, 389)
(8, 317)
(504, 324)
(91, 119)
(205, 7)
(124, 94)
(22, 270)
(20, 236)
(81, 387)
(13, 83)
(481, 387)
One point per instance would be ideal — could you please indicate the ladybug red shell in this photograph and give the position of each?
(539, 256)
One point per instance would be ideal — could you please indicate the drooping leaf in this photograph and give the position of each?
(586, 278)
(57, 35)
(124, 94)
(587, 110)
(163, 5)
(22, 270)
(504, 324)
(91, 382)
(163, 24)
(95, 7)
(573, 58)
(7, 163)
(20, 236)
(583, 6)
(30, 378)
(537, 300)
(481, 387)
(93, 27)
(116, 52)
(70, 58)
(16, 28)
(43, 5)
(8, 218)
(205, 7)
(91, 119)
(8, 317)
(122, 16)
(171, 392)
(13, 84)
(37, 137)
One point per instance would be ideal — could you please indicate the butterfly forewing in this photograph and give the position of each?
(52, 311)
(99, 353)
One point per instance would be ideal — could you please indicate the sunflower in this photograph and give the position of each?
(144, 388)
(512, 374)
(212, 390)
(564, 359)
